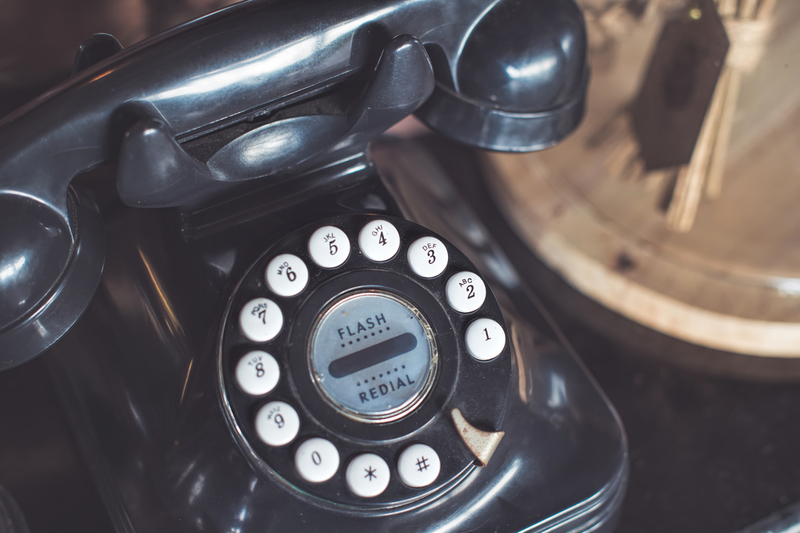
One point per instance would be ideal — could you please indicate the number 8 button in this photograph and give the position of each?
(465, 292)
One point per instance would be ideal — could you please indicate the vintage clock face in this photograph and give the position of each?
(345, 351)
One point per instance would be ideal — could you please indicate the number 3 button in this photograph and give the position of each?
(427, 257)
(277, 423)
(465, 292)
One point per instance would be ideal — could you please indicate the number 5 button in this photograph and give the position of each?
(329, 247)
(485, 339)
(465, 292)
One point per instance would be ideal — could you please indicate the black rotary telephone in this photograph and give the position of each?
(249, 330)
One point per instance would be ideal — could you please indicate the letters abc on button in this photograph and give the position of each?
(465, 292)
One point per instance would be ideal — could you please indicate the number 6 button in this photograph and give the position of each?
(485, 339)
(287, 275)
(465, 292)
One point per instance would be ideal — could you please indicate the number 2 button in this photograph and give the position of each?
(465, 292)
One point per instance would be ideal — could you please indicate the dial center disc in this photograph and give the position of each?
(372, 355)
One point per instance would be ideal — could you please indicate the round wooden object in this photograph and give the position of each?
(593, 215)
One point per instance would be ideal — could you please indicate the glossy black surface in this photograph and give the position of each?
(140, 377)
(270, 68)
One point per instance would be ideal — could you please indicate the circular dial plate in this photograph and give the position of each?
(323, 382)
(372, 355)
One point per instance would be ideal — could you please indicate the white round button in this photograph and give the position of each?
(485, 339)
(316, 460)
(261, 320)
(379, 240)
(287, 275)
(257, 373)
(367, 475)
(329, 247)
(427, 257)
(418, 465)
(277, 423)
(465, 292)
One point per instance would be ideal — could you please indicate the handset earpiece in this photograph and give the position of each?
(518, 80)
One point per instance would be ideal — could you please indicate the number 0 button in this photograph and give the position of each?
(465, 292)
(418, 465)
(379, 240)
(277, 423)
(485, 339)
(287, 275)
(329, 247)
(427, 257)
(367, 475)
(257, 373)
(261, 320)
(316, 460)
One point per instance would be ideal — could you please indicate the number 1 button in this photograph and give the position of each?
(316, 460)
(329, 247)
(379, 240)
(485, 339)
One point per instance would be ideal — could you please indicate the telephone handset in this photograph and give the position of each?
(274, 345)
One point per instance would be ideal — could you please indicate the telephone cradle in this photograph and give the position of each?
(256, 325)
